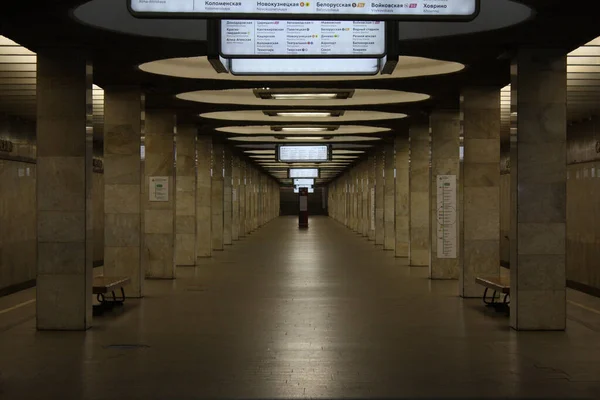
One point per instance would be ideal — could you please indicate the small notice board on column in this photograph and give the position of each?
(446, 216)
(159, 188)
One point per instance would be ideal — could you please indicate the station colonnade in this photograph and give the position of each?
(171, 194)
(437, 192)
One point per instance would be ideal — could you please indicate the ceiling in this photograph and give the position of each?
(431, 73)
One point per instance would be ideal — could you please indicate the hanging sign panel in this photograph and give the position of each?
(304, 182)
(267, 38)
(421, 10)
(303, 173)
(320, 153)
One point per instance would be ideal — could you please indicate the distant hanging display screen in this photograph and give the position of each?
(267, 38)
(304, 182)
(310, 189)
(320, 153)
(303, 173)
(421, 10)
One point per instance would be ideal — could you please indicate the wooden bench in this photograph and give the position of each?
(106, 284)
(500, 286)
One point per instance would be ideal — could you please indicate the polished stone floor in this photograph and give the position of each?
(285, 313)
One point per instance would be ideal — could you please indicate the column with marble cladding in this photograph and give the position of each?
(402, 196)
(227, 197)
(204, 197)
(364, 178)
(123, 130)
(217, 196)
(389, 203)
(185, 220)
(371, 196)
(64, 185)
(235, 200)
(445, 161)
(480, 179)
(158, 244)
(538, 190)
(420, 216)
(379, 196)
(248, 191)
(242, 196)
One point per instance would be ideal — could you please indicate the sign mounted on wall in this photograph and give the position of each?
(420, 10)
(159, 188)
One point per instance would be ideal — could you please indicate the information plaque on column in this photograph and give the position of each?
(420, 10)
(258, 38)
(446, 216)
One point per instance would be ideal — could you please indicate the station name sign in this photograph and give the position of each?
(303, 153)
(422, 10)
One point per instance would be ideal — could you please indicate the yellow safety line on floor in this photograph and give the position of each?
(584, 307)
(17, 306)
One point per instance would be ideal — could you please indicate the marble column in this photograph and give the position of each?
(185, 220)
(248, 213)
(158, 244)
(227, 197)
(371, 196)
(364, 177)
(64, 187)
(379, 197)
(389, 203)
(123, 113)
(402, 196)
(420, 216)
(243, 202)
(235, 200)
(445, 218)
(217, 196)
(480, 239)
(203, 197)
(538, 186)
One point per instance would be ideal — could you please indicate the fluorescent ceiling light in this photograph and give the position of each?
(305, 129)
(304, 114)
(304, 138)
(305, 96)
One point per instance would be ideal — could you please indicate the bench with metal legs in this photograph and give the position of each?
(500, 298)
(104, 288)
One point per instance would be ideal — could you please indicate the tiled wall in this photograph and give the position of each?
(18, 205)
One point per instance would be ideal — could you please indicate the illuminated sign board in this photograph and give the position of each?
(421, 10)
(303, 153)
(303, 66)
(267, 38)
(303, 173)
(310, 189)
(304, 182)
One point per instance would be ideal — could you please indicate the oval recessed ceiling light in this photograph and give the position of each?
(299, 129)
(278, 117)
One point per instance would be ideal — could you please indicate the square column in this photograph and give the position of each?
(158, 251)
(64, 187)
(235, 199)
(420, 215)
(185, 221)
(445, 183)
(379, 197)
(402, 197)
(481, 188)
(123, 113)
(371, 196)
(389, 214)
(217, 196)
(203, 197)
(227, 197)
(364, 188)
(242, 201)
(538, 190)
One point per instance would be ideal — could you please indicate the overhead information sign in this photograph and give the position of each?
(302, 38)
(303, 173)
(303, 153)
(304, 182)
(423, 10)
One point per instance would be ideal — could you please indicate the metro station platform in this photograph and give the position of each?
(288, 313)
